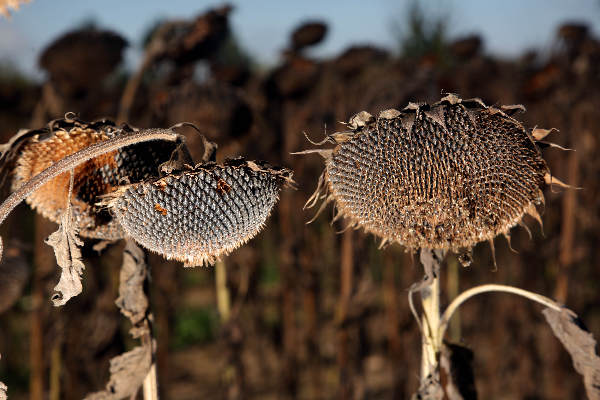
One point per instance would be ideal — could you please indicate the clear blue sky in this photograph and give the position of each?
(508, 26)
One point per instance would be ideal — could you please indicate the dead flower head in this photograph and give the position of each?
(200, 213)
(441, 176)
(36, 150)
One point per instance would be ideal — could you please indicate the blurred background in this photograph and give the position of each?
(315, 314)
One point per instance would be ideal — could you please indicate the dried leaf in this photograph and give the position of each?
(539, 134)
(68, 256)
(431, 260)
(581, 346)
(132, 301)
(102, 245)
(457, 363)
(552, 180)
(127, 373)
(430, 389)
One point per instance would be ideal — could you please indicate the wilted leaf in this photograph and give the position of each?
(431, 260)
(68, 256)
(127, 373)
(581, 346)
(430, 389)
(457, 362)
(132, 301)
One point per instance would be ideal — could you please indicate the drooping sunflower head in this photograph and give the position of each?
(199, 214)
(35, 150)
(441, 176)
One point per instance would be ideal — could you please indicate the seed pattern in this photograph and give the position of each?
(442, 176)
(97, 177)
(195, 216)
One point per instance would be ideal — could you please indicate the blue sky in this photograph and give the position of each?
(508, 26)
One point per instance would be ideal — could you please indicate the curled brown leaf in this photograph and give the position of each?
(68, 256)
(66, 243)
(132, 301)
(127, 373)
(580, 344)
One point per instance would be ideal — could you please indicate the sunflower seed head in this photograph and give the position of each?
(441, 176)
(41, 148)
(195, 216)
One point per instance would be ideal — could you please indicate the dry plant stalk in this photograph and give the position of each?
(437, 177)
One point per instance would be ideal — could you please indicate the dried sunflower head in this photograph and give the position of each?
(308, 34)
(35, 150)
(81, 59)
(441, 176)
(199, 214)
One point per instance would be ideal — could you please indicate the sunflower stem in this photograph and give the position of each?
(430, 319)
(474, 291)
(223, 301)
(430, 298)
(150, 387)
